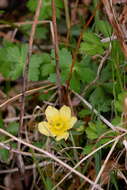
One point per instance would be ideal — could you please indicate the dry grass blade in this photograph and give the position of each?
(50, 156)
(88, 156)
(105, 162)
(121, 35)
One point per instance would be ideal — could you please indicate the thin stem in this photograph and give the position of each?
(56, 49)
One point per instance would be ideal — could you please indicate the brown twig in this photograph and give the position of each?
(52, 156)
(105, 162)
(26, 68)
(56, 49)
(117, 26)
(19, 158)
(29, 92)
(88, 156)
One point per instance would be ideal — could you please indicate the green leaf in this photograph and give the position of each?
(52, 77)
(17, 55)
(100, 100)
(46, 11)
(91, 45)
(13, 128)
(65, 58)
(49, 184)
(119, 103)
(4, 154)
(78, 128)
(88, 149)
(95, 130)
(47, 69)
(116, 121)
(13, 54)
(104, 27)
(86, 74)
(84, 112)
(91, 49)
(91, 38)
(75, 82)
(41, 32)
(34, 70)
(106, 73)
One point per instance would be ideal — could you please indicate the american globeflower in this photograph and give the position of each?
(58, 122)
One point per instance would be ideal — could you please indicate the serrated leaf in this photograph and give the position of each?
(91, 45)
(52, 77)
(65, 58)
(91, 49)
(18, 59)
(34, 70)
(46, 10)
(13, 54)
(104, 27)
(47, 69)
(95, 130)
(92, 38)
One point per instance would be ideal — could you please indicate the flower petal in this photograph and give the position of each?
(43, 128)
(50, 113)
(65, 112)
(63, 136)
(72, 122)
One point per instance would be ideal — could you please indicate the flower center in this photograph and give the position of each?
(58, 125)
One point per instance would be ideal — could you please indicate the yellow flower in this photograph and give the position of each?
(58, 122)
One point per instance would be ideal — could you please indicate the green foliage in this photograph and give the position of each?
(104, 27)
(99, 100)
(95, 130)
(75, 82)
(4, 155)
(87, 149)
(92, 44)
(12, 58)
(34, 70)
(83, 113)
(13, 128)
(46, 11)
(119, 103)
(78, 128)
